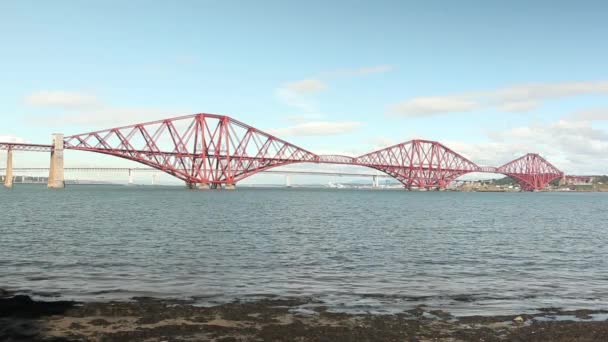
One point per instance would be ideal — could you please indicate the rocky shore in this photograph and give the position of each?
(149, 319)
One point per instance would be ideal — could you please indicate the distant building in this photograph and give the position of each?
(577, 180)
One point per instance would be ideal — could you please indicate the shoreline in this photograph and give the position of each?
(152, 319)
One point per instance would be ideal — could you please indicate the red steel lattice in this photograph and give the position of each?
(336, 159)
(199, 149)
(25, 147)
(216, 149)
(419, 163)
(532, 171)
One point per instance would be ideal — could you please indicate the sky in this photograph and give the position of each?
(492, 80)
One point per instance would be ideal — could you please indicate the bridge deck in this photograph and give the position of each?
(25, 147)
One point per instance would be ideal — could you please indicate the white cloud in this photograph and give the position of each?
(575, 147)
(540, 91)
(380, 142)
(425, 106)
(11, 139)
(84, 109)
(363, 71)
(309, 86)
(300, 93)
(594, 114)
(517, 106)
(305, 118)
(517, 98)
(492, 153)
(62, 99)
(108, 117)
(373, 70)
(316, 128)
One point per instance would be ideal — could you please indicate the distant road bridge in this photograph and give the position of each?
(132, 170)
(217, 151)
(149, 169)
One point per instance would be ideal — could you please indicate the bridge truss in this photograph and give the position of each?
(210, 150)
(199, 149)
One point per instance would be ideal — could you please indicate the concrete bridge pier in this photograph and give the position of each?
(56, 173)
(375, 182)
(198, 186)
(288, 181)
(131, 176)
(8, 178)
(230, 186)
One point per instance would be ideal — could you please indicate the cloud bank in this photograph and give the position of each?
(12, 139)
(300, 93)
(316, 128)
(86, 109)
(519, 98)
(62, 99)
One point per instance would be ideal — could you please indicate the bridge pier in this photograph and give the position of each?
(288, 181)
(56, 173)
(8, 178)
(198, 186)
(375, 182)
(131, 176)
(230, 186)
(155, 179)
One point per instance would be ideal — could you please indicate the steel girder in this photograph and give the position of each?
(216, 149)
(531, 171)
(199, 149)
(25, 147)
(419, 163)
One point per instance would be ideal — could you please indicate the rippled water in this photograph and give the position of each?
(378, 251)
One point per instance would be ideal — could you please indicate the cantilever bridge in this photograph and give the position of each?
(211, 151)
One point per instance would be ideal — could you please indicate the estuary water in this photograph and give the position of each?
(356, 251)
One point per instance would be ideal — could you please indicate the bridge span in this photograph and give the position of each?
(131, 171)
(217, 151)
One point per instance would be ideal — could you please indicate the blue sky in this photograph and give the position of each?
(490, 79)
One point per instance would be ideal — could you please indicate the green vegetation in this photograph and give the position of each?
(505, 181)
(601, 179)
(585, 187)
(555, 182)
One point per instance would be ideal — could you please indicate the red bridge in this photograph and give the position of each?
(210, 151)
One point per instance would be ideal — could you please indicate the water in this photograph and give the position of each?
(359, 251)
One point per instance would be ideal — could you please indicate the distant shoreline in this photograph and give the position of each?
(315, 187)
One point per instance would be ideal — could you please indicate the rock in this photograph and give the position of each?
(518, 319)
(25, 306)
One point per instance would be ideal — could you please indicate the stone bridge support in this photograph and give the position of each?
(288, 181)
(56, 174)
(8, 178)
(198, 186)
